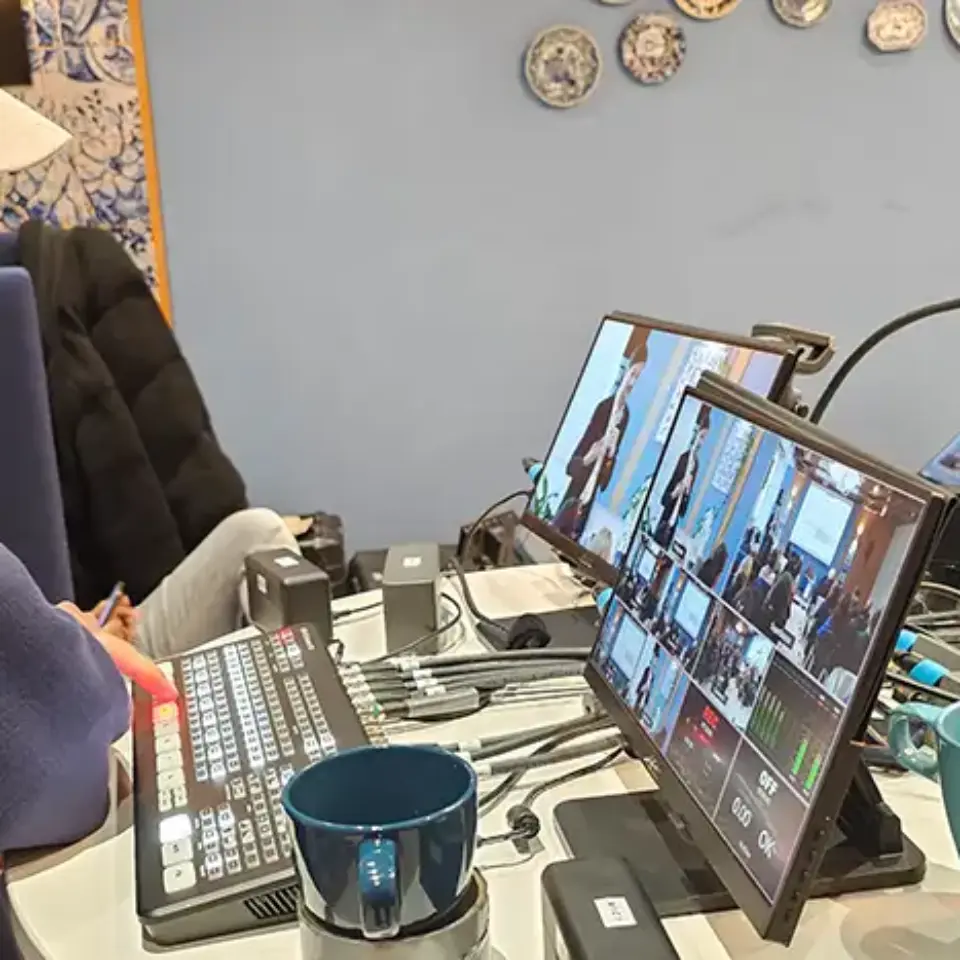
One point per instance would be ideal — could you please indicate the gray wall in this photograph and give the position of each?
(388, 260)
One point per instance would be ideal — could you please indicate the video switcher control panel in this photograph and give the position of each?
(213, 850)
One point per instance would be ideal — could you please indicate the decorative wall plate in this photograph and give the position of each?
(802, 13)
(707, 9)
(951, 17)
(897, 25)
(652, 47)
(563, 66)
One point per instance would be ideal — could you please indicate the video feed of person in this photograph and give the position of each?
(945, 466)
(594, 479)
(760, 569)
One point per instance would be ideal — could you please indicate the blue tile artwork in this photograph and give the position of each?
(84, 78)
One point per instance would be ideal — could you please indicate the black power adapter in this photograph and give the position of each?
(596, 910)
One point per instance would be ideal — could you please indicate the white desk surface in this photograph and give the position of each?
(79, 904)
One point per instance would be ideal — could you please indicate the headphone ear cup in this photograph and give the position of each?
(528, 632)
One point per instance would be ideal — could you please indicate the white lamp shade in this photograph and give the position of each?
(26, 137)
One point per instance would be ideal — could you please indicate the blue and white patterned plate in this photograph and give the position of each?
(802, 13)
(707, 9)
(897, 25)
(652, 48)
(563, 66)
(951, 18)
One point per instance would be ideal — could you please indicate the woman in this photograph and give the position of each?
(590, 467)
(679, 489)
(63, 702)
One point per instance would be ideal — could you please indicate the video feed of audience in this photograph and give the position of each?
(750, 600)
(945, 466)
(595, 477)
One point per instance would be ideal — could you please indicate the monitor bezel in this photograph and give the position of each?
(777, 921)
(587, 562)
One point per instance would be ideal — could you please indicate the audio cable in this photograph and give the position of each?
(489, 800)
(463, 552)
(523, 824)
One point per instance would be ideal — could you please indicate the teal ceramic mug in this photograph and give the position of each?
(941, 764)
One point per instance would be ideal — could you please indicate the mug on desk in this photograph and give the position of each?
(941, 764)
(384, 836)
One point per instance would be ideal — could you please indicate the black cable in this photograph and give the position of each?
(464, 549)
(354, 611)
(492, 798)
(541, 788)
(496, 748)
(876, 338)
(467, 595)
(432, 635)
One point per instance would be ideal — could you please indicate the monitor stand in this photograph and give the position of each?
(573, 627)
(869, 850)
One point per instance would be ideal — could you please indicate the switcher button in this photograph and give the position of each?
(177, 827)
(179, 877)
(170, 779)
(167, 744)
(178, 851)
(169, 761)
(165, 712)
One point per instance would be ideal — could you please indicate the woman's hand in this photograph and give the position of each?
(86, 620)
(123, 620)
(127, 659)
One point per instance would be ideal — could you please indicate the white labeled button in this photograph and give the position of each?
(169, 761)
(218, 771)
(177, 827)
(169, 728)
(164, 801)
(177, 851)
(167, 744)
(179, 877)
(180, 797)
(233, 864)
(170, 780)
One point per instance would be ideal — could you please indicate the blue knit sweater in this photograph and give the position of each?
(62, 703)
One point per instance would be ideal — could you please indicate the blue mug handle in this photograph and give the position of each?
(923, 760)
(378, 888)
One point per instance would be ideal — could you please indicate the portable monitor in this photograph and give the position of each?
(944, 469)
(768, 575)
(602, 459)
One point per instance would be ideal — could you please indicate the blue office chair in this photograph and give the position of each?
(31, 509)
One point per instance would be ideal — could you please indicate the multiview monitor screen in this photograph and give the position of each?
(750, 628)
(588, 495)
(945, 466)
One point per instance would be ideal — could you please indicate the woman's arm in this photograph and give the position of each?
(62, 703)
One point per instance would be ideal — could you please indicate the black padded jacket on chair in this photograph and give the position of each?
(143, 477)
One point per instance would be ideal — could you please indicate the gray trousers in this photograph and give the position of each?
(203, 598)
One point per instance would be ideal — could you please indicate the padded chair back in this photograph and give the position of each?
(31, 508)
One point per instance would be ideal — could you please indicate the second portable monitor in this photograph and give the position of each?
(594, 479)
